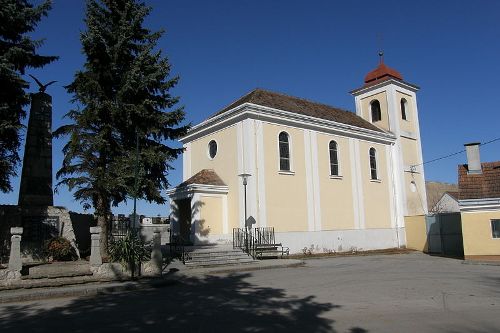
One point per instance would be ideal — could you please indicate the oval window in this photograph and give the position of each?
(212, 149)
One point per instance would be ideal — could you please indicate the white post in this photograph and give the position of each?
(156, 255)
(95, 249)
(15, 263)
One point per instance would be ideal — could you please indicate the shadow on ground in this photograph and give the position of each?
(205, 304)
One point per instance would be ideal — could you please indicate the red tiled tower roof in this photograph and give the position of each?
(382, 73)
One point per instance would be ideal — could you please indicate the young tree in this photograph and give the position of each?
(122, 95)
(17, 52)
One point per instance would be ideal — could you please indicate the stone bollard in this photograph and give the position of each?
(15, 263)
(156, 255)
(95, 246)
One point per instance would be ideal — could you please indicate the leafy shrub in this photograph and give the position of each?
(60, 249)
(129, 250)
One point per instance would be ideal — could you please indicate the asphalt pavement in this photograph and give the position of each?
(381, 293)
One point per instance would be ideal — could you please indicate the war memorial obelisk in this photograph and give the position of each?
(36, 177)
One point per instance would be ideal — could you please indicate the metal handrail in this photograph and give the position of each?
(178, 246)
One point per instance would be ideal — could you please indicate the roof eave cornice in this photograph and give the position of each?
(250, 110)
(196, 188)
(485, 204)
(400, 83)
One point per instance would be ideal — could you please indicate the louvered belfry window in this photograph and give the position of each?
(284, 147)
(376, 112)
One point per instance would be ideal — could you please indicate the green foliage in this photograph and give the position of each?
(122, 91)
(17, 53)
(129, 250)
(60, 249)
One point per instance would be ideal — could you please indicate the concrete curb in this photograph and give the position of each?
(475, 262)
(102, 288)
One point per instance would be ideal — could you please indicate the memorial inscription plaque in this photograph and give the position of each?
(40, 228)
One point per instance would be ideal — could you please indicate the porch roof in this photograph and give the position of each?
(204, 177)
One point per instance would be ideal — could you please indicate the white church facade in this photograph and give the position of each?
(323, 177)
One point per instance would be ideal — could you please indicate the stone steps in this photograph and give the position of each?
(216, 256)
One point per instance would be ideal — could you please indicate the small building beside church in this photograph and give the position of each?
(323, 177)
(479, 201)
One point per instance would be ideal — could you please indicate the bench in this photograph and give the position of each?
(267, 251)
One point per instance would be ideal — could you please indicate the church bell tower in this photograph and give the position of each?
(390, 103)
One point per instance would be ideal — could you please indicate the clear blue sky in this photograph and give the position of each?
(319, 50)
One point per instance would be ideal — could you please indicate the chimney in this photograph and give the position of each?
(473, 159)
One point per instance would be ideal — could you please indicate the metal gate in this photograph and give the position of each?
(444, 234)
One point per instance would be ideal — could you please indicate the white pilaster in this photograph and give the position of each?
(359, 169)
(309, 181)
(186, 161)
(249, 166)
(225, 220)
(195, 216)
(354, 183)
(315, 178)
(261, 181)
(241, 198)
(399, 191)
(420, 168)
(391, 188)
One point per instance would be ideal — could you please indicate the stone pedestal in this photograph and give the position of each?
(156, 255)
(95, 248)
(15, 263)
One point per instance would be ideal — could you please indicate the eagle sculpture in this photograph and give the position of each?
(42, 86)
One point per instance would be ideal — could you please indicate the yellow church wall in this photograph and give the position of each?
(366, 110)
(376, 193)
(414, 193)
(224, 164)
(211, 215)
(416, 233)
(410, 152)
(335, 192)
(286, 195)
(407, 125)
(477, 236)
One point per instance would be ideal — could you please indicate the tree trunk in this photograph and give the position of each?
(102, 221)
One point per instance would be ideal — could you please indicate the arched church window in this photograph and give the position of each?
(376, 112)
(403, 108)
(373, 163)
(334, 160)
(284, 150)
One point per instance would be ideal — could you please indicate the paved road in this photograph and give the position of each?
(395, 293)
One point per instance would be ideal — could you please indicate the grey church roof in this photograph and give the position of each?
(299, 105)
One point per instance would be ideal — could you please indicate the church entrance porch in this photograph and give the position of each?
(184, 218)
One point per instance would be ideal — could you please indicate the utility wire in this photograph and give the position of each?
(453, 154)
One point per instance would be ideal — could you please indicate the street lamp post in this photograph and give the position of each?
(244, 177)
(136, 177)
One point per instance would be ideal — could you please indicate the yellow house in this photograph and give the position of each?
(479, 201)
(323, 177)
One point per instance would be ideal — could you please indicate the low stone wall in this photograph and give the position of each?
(147, 232)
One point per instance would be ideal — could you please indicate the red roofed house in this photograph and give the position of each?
(479, 200)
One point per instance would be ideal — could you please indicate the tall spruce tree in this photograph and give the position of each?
(17, 53)
(122, 95)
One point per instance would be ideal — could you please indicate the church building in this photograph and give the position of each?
(324, 178)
